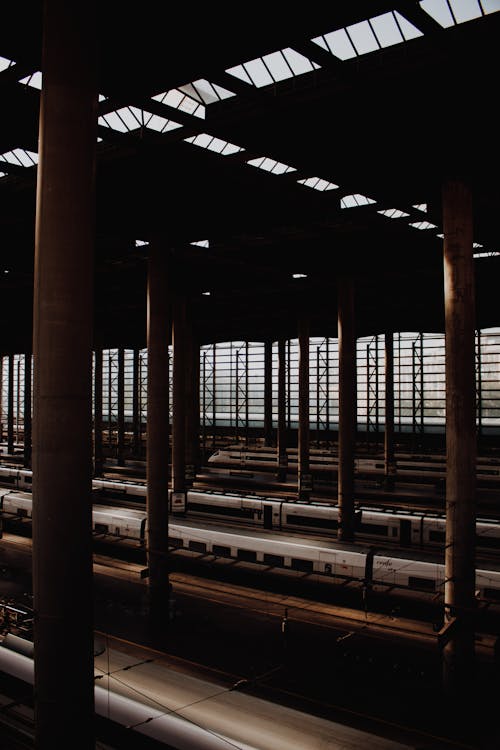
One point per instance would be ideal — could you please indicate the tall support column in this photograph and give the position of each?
(98, 453)
(120, 418)
(1, 397)
(179, 396)
(136, 414)
(303, 470)
(10, 407)
(347, 408)
(192, 385)
(268, 393)
(158, 324)
(27, 410)
(282, 429)
(62, 347)
(458, 653)
(389, 457)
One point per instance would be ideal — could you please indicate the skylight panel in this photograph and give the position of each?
(201, 243)
(386, 30)
(316, 183)
(20, 157)
(203, 140)
(299, 63)
(489, 254)
(141, 243)
(356, 199)
(363, 38)
(393, 213)
(271, 165)
(420, 207)
(277, 66)
(5, 63)
(422, 225)
(3, 174)
(239, 72)
(259, 74)
(490, 6)
(338, 43)
(476, 244)
(178, 100)
(34, 80)
(451, 12)
(367, 36)
(206, 92)
(128, 119)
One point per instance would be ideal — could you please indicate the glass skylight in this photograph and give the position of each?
(201, 243)
(141, 243)
(476, 244)
(420, 207)
(3, 174)
(393, 213)
(490, 254)
(367, 36)
(20, 157)
(271, 165)
(356, 199)
(299, 276)
(316, 183)
(203, 140)
(277, 66)
(127, 119)
(422, 225)
(5, 63)
(452, 12)
(192, 97)
(34, 80)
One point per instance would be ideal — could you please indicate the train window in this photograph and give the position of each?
(436, 536)
(488, 541)
(197, 546)
(101, 528)
(221, 551)
(373, 528)
(424, 584)
(248, 555)
(304, 565)
(221, 510)
(28, 480)
(328, 523)
(175, 541)
(275, 560)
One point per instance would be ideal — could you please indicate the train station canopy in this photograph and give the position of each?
(273, 150)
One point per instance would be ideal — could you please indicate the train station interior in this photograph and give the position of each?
(250, 376)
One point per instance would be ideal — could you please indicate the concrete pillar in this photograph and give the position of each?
(282, 430)
(303, 469)
(179, 395)
(136, 416)
(389, 457)
(458, 653)
(27, 410)
(10, 407)
(268, 393)
(120, 418)
(98, 454)
(192, 402)
(158, 324)
(347, 408)
(62, 348)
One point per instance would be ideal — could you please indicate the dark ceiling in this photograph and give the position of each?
(390, 124)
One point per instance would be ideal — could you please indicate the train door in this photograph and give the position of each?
(405, 532)
(268, 516)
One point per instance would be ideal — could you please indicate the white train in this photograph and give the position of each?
(407, 528)
(336, 561)
(324, 464)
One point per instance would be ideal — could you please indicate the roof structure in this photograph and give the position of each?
(271, 154)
